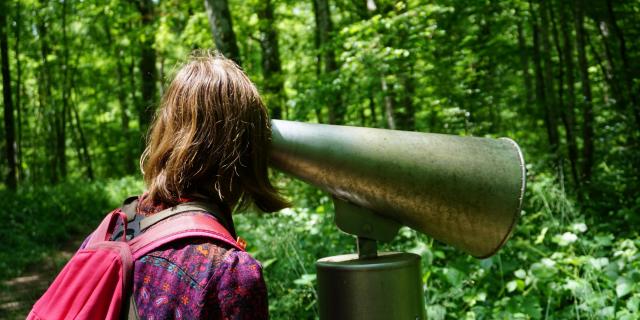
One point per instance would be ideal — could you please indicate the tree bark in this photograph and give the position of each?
(365, 8)
(610, 70)
(18, 105)
(604, 70)
(324, 27)
(62, 116)
(568, 114)
(551, 105)
(407, 119)
(9, 123)
(587, 108)
(271, 66)
(84, 154)
(389, 107)
(46, 100)
(627, 70)
(83, 144)
(148, 72)
(524, 64)
(222, 28)
(372, 109)
(131, 68)
(129, 165)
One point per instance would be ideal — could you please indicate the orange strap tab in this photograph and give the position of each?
(241, 243)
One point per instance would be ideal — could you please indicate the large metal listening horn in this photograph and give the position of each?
(463, 191)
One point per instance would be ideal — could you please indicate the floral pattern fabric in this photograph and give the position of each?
(197, 278)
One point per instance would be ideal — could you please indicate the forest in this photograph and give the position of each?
(81, 82)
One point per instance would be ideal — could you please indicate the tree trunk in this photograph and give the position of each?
(129, 165)
(62, 116)
(568, 114)
(131, 68)
(389, 107)
(46, 101)
(9, 124)
(524, 64)
(18, 106)
(560, 78)
(610, 70)
(407, 119)
(83, 144)
(324, 27)
(372, 109)
(84, 147)
(551, 105)
(148, 72)
(365, 8)
(604, 70)
(222, 28)
(627, 70)
(587, 108)
(271, 67)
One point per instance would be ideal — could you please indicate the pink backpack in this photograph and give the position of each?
(96, 282)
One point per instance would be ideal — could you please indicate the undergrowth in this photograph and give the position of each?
(38, 220)
(559, 264)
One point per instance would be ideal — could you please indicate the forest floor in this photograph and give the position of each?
(17, 295)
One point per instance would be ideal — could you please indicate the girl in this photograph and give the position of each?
(209, 142)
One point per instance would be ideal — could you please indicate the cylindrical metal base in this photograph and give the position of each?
(385, 287)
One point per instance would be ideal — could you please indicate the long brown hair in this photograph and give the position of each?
(210, 137)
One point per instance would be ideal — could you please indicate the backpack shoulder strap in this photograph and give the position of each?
(179, 228)
(184, 207)
(129, 207)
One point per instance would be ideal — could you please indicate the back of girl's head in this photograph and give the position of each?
(210, 137)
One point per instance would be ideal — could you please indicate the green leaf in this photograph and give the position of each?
(269, 262)
(623, 287)
(453, 276)
(306, 280)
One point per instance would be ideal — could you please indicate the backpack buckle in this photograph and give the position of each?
(241, 243)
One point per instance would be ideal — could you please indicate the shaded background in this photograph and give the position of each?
(81, 80)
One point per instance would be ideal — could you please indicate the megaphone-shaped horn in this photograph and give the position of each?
(463, 191)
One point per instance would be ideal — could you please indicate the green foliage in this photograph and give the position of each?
(455, 67)
(558, 264)
(37, 220)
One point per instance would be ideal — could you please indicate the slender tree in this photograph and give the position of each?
(406, 120)
(61, 128)
(324, 29)
(587, 107)
(568, 113)
(271, 66)
(18, 93)
(222, 28)
(389, 104)
(121, 89)
(47, 104)
(550, 106)
(627, 69)
(148, 71)
(9, 125)
(524, 65)
(610, 69)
